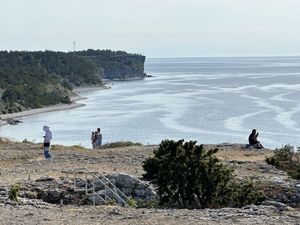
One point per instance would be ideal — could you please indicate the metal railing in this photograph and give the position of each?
(110, 190)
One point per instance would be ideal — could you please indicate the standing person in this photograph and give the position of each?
(93, 140)
(253, 140)
(47, 138)
(99, 138)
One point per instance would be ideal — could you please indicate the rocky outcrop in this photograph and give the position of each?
(62, 191)
(58, 191)
(13, 121)
(134, 187)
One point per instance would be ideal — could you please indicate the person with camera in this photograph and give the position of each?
(253, 142)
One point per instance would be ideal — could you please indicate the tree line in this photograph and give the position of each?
(40, 78)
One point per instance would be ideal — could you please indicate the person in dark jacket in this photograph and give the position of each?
(99, 138)
(253, 140)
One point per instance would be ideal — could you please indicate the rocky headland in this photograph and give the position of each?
(47, 193)
(37, 79)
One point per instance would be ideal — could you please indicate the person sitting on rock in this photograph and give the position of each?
(253, 142)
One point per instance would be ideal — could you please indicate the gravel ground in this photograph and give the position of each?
(115, 215)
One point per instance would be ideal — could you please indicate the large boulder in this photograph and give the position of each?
(53, 196)
(133, 187)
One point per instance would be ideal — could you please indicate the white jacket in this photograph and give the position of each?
(48, 134)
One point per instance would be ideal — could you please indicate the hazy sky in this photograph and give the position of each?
(156, 28)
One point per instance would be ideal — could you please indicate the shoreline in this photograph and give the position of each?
(53, 108)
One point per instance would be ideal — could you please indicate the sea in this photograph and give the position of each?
(209, 100)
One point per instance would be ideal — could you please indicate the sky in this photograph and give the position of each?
(155, 28)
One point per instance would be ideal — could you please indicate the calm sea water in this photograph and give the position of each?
(211, 100)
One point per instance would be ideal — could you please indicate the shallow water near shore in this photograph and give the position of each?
(211, 100)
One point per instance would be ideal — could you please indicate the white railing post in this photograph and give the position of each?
(94, 195)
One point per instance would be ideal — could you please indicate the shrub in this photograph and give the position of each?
(287, 159)
(120, 144)
(13, 192)
(151, 166)
(147, 204)
(132, 202)
(188, 176)
(246, 193)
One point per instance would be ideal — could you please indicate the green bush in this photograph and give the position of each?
(132, 202)
(13, 192)
(147, 204)
(120, 144)
(151, 166)
(188, 176)
(287, 159)
(246, 192)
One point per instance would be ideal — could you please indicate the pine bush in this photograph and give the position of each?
(188, 176)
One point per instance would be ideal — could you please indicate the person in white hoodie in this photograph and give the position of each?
(47, 139)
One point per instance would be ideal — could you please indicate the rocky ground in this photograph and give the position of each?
(24, 163)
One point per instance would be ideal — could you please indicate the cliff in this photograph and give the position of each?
(116, 64)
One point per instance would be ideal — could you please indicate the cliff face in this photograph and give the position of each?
(123, 67)
(116, 64)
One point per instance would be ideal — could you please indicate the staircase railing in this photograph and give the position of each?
(110, 190)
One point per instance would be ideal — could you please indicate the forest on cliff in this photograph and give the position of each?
(41, 78)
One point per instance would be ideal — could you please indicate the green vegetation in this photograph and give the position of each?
(132, 202)
(147, 204)
(188, 176)
(36, 79)
(120, 144)
(13, 192)
(287, 159)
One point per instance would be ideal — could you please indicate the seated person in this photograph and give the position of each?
(253, 140)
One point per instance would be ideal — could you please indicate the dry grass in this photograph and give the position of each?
(20, 160)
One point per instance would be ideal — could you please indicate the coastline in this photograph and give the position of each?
(58, 107)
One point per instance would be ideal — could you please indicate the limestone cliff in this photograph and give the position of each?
(116, 64)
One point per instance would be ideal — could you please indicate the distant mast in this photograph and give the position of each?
(74, 46)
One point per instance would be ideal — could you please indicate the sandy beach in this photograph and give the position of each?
(58, 107)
